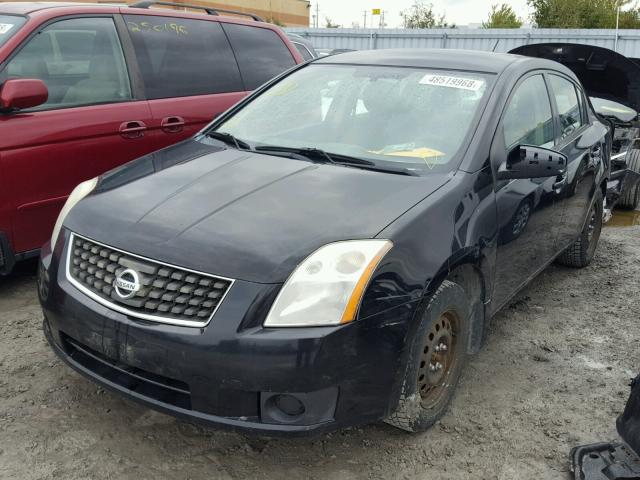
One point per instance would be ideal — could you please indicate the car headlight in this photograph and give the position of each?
(327, 287)
(78, 193)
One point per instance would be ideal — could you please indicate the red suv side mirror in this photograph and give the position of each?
(20, 93)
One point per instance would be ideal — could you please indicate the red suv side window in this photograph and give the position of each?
(260, 52)
(180, 57)
(80, 60)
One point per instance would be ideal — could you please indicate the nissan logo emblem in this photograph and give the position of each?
(127, 283)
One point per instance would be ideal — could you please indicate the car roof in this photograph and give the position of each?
(23, 8)
(472, 60)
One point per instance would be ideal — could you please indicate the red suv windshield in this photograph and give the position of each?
(9, 24)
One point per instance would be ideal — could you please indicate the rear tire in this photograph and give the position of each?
(581, 252)
(631, 199)
(436, 360)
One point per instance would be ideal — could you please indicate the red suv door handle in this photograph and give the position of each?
(172, 124)
(132, 129)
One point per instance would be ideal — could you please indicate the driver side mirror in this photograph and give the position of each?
(527, 161)
(21, 93)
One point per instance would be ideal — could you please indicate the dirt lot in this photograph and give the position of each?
(553, 374)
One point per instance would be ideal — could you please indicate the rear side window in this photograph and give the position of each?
(528, 119)
(9, 24)
(182, 57)
(261, 53)
(304, 51)
(569, 108)
(80, 60)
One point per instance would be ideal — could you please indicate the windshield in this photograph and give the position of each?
(412, 118)
(9, 24)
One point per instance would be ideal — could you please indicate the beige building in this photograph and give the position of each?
(289, 13)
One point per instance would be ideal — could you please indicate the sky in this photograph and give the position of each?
(460, 12)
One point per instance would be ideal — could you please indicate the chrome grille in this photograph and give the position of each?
(166, 294)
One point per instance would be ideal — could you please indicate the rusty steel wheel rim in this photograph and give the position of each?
(438, 359)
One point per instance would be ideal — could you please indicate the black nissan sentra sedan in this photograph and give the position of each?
(329, 251)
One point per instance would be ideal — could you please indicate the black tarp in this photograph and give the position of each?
(629, 422)
(603, 72)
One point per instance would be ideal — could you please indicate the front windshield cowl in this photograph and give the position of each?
(413, 119)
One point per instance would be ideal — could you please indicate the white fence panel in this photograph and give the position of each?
(498, 40)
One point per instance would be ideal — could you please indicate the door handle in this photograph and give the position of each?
(172, 124)
(132, 129)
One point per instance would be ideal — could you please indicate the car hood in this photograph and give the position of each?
(603, 73)
(240, 214)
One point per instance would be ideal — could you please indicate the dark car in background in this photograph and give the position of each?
(85, 88)
(304, 46)
(329, 251)
(612, 83)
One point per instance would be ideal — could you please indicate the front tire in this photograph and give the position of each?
(436, 360)
(581, 252)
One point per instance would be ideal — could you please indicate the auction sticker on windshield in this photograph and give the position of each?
(452, 82)
(5, 27)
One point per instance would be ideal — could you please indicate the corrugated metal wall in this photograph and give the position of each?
(499, 40)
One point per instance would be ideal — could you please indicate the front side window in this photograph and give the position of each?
(528, 119)
(9, 25)
(80, 60)
(261, 53)
(566, 97)
(180, 57)
(406, 117)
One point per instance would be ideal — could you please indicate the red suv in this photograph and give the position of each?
(85, 88)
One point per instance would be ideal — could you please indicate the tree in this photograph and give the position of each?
(329, 23)
(583, 13)
(421, 15)
(630, 18)
(276, 21)
(502, 16)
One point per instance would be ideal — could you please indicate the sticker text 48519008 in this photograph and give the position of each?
(452, 82)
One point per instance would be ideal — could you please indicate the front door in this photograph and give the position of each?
(527, 208)
(90, 123)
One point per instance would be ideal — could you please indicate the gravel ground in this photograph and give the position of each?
(553, 374)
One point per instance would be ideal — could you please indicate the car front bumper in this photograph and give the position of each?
(232, 373)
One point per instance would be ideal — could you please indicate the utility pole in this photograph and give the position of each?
(317, 14)
(364, 25)
(382, 19)
(615, 45)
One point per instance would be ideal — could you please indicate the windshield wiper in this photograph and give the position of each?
(308, 152)
(316, 154)
(229, 140)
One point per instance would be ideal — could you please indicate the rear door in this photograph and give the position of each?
(91, 122)
(189, 72)
(583, 143)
